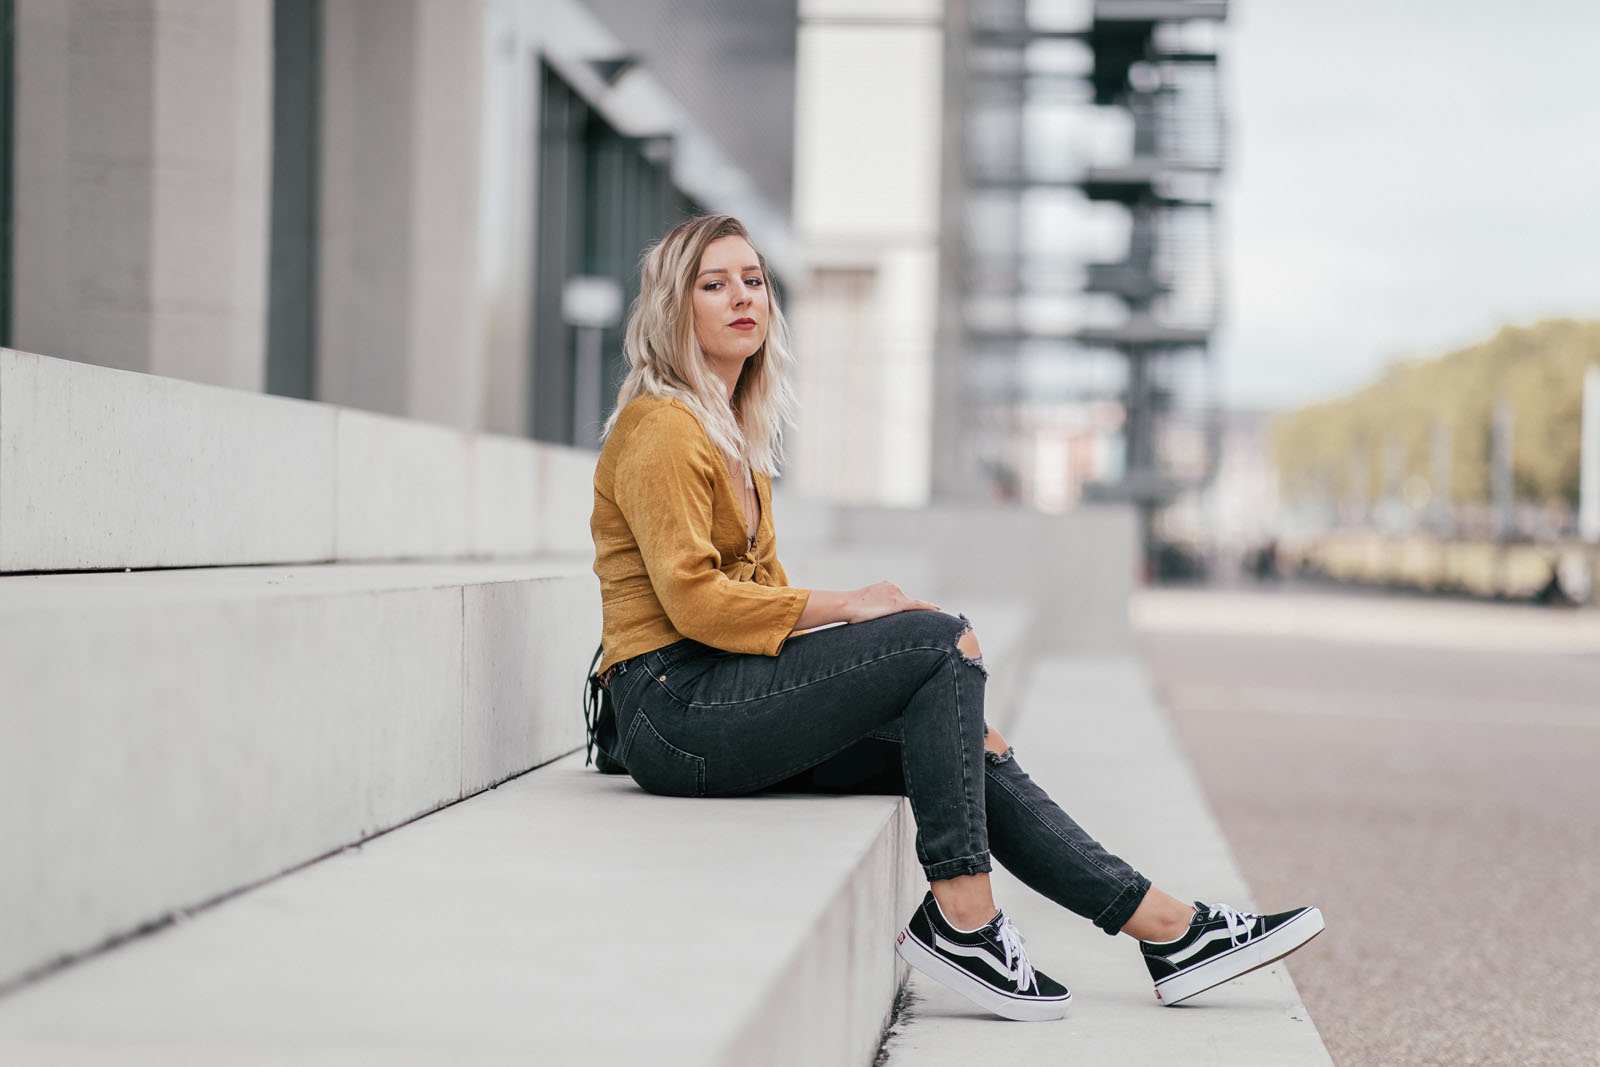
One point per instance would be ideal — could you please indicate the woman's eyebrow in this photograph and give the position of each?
(724, 270)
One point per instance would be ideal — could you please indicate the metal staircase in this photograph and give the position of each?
(1152, 64)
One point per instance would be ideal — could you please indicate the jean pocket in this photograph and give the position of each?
(658, 765)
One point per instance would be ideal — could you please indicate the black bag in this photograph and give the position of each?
(600, 721)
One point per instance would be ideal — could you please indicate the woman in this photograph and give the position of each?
(717, 692)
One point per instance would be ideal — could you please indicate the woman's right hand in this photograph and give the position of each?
(880, 599)
(827, 606)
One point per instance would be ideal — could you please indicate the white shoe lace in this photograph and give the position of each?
(1239, 922)
(1011, 940)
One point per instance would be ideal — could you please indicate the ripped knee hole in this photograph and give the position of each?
(971, 654)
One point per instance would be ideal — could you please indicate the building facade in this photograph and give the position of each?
(428, 208)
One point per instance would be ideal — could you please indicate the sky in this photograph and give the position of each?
(1404, 177)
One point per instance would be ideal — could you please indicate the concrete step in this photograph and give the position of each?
(106, 469)
(1093, 734)
(562, 917)
(171, 736)
(565, 917)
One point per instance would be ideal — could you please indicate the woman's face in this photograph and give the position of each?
(730, 303)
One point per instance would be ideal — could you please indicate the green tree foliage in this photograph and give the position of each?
(1342, 450)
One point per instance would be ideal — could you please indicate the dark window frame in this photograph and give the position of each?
(295, 202)
(8, 75)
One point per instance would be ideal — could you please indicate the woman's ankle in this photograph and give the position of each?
(966, 901)
(1159, 917)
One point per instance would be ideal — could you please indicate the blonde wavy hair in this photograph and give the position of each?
(664, 359)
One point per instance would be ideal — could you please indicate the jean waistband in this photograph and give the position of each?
(667, 655)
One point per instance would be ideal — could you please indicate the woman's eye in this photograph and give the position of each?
(712, 287)
(754, 282)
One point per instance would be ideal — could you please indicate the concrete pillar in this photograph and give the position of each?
(506, 220)
(143, 132)
(399, 326)
(954, 472)
(860, 113)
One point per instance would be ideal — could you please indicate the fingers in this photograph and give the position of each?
(903, 602)
(885, 598)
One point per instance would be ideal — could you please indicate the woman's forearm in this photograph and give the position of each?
(823, 607)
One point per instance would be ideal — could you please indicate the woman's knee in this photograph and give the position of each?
(925, 629)
(951, 635)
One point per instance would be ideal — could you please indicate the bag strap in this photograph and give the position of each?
(593, 692)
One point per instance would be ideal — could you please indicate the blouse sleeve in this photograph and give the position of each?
(664, 482)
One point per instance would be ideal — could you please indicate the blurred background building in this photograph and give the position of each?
(993, 222)
(991, 218)
(430, 209)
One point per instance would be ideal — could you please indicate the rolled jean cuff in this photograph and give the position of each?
(1117, 914)
(975, 864)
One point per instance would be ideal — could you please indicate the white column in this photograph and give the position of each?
(868, 152)
(143, 134)
(1589, 469)
(399, 326)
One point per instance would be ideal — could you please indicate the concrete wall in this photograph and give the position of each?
(142, 145)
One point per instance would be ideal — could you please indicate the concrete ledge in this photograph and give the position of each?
(405, 489)
(563, 918)
(171, 736)
(103, 469)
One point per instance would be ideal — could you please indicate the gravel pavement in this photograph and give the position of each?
(1428, 772)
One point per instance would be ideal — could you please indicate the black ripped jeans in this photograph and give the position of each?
(887, 706)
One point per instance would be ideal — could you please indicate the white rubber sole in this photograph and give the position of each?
(1242, 960)
(1011, 1006)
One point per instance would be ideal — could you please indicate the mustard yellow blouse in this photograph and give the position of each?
(671, 546)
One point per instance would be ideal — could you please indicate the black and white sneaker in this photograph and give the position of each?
(1222, 943)
(987, 966)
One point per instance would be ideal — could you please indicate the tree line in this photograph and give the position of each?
(1387, 438)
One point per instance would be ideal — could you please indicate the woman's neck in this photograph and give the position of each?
(728, 373)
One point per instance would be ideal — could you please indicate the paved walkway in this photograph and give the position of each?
(1426, 769)
(1093, 734)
